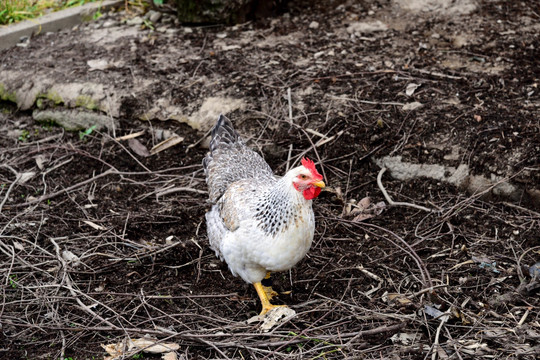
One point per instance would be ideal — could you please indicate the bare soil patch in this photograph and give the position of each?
(456, 283)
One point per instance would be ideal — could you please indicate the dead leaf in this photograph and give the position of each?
(70, 257)
(169, 356)
(114, 350)
(399, 299)
(165, 144)
(411, 88)
(153, 346)
(478, 118)
(412, 106)
(405, 338)
(274, 317)
(436, 313)
(132, 346)
(41, 160)
(364, 203)
(93, 225)
(364, 209)
(130, 136)
(138, 148)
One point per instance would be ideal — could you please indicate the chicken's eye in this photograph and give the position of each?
(303, 177)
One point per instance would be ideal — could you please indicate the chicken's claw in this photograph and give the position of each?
(265, 295)
(270, 293)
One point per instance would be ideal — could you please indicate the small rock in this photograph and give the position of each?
(166, 20)
(188, 30)
(110, 23)
(314, 25)
(137, 20)
(366, 27)
(73, 120)
(154, 16)
(171, 31)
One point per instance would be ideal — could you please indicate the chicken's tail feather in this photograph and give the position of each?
(223, 133)
(229, 160)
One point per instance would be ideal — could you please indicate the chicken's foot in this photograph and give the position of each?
(267, 286)
(265, 301)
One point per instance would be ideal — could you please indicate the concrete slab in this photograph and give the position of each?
(10, 35)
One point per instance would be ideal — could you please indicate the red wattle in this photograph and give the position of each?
(311, 192)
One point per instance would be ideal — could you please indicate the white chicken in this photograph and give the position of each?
(258, 223)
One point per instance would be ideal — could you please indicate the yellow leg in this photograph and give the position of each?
(270, 293)
(265, 301)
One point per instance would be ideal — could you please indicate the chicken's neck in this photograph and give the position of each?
(279, 206)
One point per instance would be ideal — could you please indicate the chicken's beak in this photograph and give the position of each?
(319, 184)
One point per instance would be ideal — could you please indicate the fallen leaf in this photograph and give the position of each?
(153, 346)
(534, 271)
(130, 136)
(25, 176)
(165, 144)
(404, 338)
(436, 313)
(411, 88)
(93, 225)
(274, 317)
(399, 298)
(138, 148)
(41, 160)
(478, 118)
(412, 106)
(71, 258)
(169, 356)
(364, 209)
(132, 346)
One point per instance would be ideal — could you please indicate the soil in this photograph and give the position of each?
(459, 282)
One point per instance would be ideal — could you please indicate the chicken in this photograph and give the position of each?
(258, 223)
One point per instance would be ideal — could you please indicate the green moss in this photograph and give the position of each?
(54, 97)
(87, 102)
(6, 95)
(51, 98)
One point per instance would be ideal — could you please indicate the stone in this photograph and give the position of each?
(110, 23)
(137, 20)
(366, 27)
(154, 16)
(314, 25)
(74, 120)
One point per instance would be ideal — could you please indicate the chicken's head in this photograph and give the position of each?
(307, 180)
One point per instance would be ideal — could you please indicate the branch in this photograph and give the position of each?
(398, 203)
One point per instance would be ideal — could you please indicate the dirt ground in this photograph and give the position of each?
(100, 241)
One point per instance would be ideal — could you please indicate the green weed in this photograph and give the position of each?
(13, 281)
(85, 133)
(25, 135)
(12, 11)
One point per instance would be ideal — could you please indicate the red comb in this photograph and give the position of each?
(310, 165)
